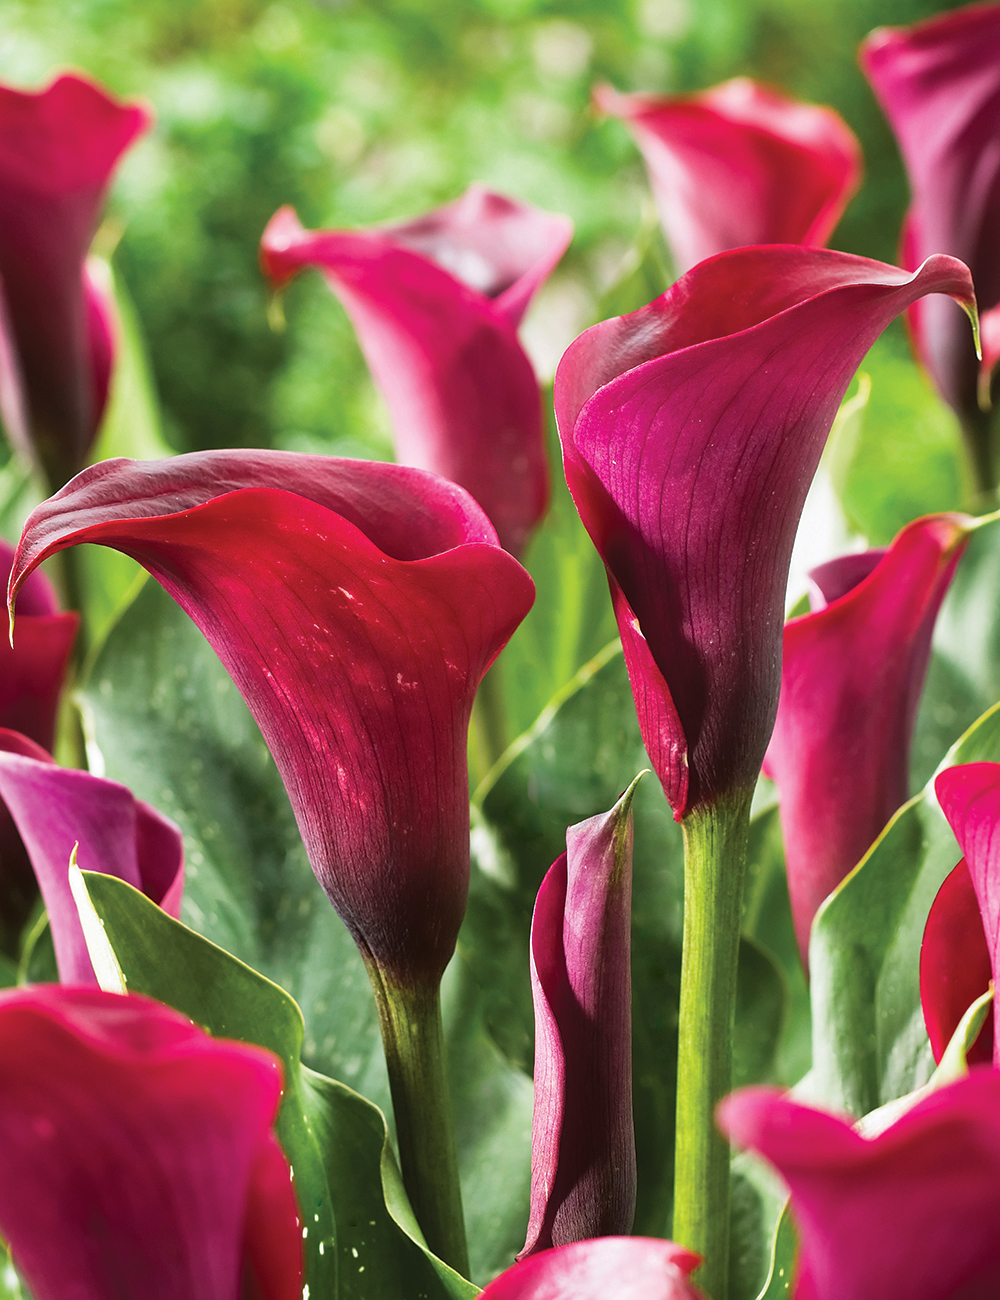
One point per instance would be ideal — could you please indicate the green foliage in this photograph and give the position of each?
(356, 1219)
(869, 1041)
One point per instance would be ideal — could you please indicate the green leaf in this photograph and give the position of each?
(760, 1015)
(575, 762)
(571, 619)
(782, 1270)
(336, 1142)
(165, 719)
(869, 1041)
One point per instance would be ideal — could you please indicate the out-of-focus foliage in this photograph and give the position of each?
(365, 110)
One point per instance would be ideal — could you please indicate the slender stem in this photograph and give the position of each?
(490, 721)
(413, 1038)
(715, 843)
(977, 434)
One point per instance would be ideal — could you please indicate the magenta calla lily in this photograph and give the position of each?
(939, 85)
(436, 303)
(969, 795)
(657, 411)
(740, 164)
(31, 681)
(137, 1158)
(851, 677)
(626, 1268)
(58, 150)
(56, 808)
(357, 606)
(911, 1212)
(583, 1178)
(955, 967)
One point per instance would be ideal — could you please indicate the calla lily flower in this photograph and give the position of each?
(691, 430)
(436, 303)
(583, 1179)
(740, 164)
(56, 809)
(955, 966)
(969, 795)
(626, 1268)
(136, 1154)
(357, 606)
(939, 85)
(911, 1212)
(58, 149)
(31, 680)
(851, 676)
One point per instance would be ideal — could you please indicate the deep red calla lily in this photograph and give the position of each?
(969, 795)
(910, 1213)
(851, 676)
(136, 1154)
(55, 808)
(740, 164)
(691, 430)
(436, 303)
(357, 606)
(955, 966)
(31, 680)
(939, 85)
(626, 1268)
(58, 149)
(583, 1179)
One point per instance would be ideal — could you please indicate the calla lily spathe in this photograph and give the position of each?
(740, 164)
(625, 1268)
(911, 1212)
(969, 795)
(56, 809)
(583, 1176)
(851, 676)
(436, 303)
(955, 965)
(357, 606)
(137, 1158)
(939, 85)
(58, 149)
(709, 386)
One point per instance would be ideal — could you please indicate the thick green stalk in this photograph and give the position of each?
(413, 1038)
(715, 843)
(978, 436)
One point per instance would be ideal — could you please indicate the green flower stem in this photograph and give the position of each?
(978, 437)
(715, 844)
(490, 722)
(413, 1038)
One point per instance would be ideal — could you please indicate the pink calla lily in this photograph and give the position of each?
(740, 164)
(31, 681)
(911, 1212)
(136, 1154)
(955, 966)
(851, 677)
(58, 149)
(436, 303)
(357, 606)
(56, 808)
(969, 795)
(583, 1178)
(732, 378)
(625, 1268)
(939, 85)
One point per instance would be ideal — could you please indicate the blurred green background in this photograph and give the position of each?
(358, 111)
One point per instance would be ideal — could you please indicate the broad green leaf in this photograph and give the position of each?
(757, 1199)
(571, 619)
(869, 1041)
(165, 719)
(336, 1142)
(782, 1269)
(760, 1015)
